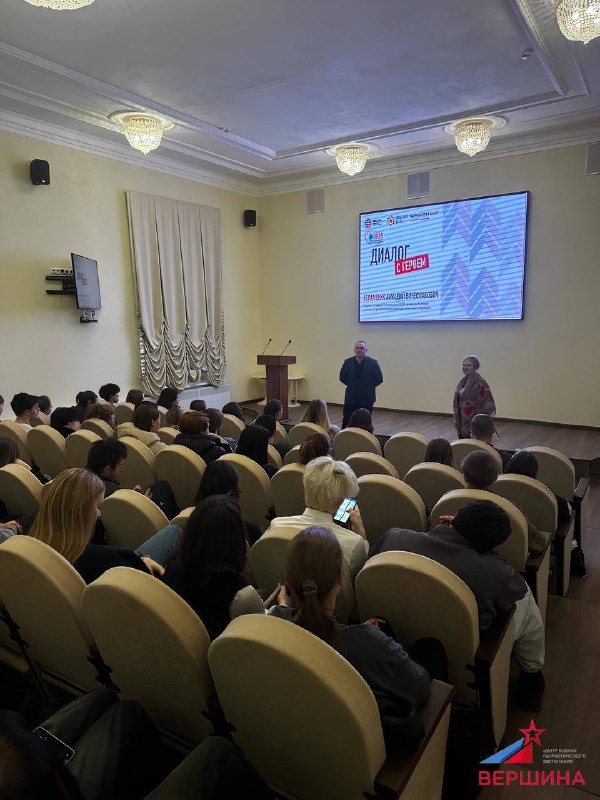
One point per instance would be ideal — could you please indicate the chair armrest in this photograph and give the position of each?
(534, 562)
(581, 490)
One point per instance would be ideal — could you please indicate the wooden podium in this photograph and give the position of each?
(277, 378)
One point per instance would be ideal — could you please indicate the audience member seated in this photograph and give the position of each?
(215, 420)
(326, 484)
(168, 398)
(313, 577)
(83, 401)
(44, 404)
(193, 428)
(209, 572)
(314, 446)
(480, 471)
(172, 417)
(143, 427)
(234, 410)
(110, 393)
(66, 519)
(9, 453)
(317, 413)
(65, 420)
(221, 478)
(439, 452)
(135, 397)
(106, 459)
(274, 408)
(198, 405)
(525, 463)
(361, 418)
(483, 429)
(254, 444)
(102, 411)
(466, 546)
(270, 424)
(25, 408)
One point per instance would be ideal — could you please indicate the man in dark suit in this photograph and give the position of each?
(360, 375)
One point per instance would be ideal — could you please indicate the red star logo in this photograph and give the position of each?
(532, 734)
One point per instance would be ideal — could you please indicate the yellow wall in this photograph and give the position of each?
(544, 367)
(44, 348)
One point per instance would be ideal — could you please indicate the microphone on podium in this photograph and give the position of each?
(267, 344)
(286, 347)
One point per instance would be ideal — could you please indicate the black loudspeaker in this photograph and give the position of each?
(249, 218)
(40, 172)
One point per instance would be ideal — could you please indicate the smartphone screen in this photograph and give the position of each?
(62, 751)
(343, 512)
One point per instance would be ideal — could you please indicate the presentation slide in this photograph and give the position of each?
(87, 286)
(458, 260)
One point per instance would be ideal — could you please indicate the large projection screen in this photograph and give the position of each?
(459, 260)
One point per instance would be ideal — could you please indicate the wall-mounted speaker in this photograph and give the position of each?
(40, 172)
(249, 218)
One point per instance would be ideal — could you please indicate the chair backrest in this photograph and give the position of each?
(515, 549)
(555, 471)
(354, 440)
(267, 557)
(20, 491)
(255, 497)
(370, 464)
(12, 430)
(405, 449)
(532, 497)
(274, 457)
(281, 436)
(156, 646)
(124, 412)
(42, 593)
(138, 469)
(431, 481)
(98, 426)
(183, 516)
(462, 448)
(47, 447)
(312, 696)
(303, 430)
(387, 502)
(41, 419)
(162, 412)
(292, 456)
(287, 490)
(167, 435)
(77, 446)
(130, 518)
(232, 427)
(419, 597)
(183, 469)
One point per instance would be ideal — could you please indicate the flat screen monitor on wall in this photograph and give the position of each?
(87, 287)
(460, 260)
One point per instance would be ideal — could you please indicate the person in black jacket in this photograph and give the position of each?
(193, 427)
(361, 375)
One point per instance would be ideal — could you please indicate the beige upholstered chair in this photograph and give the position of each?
(419, 597)
(287, 490)
(12, 430)
(302, 430)
(232, 427)
(405, 449)
(47, 447)
(183, 469)
(20, 491)
(130, 518)
(292, 456)
(183, 516)
(48, 611)
(98, 426)
(274, 457)
(281, 436)
(41, 419)
(267, 557)
(555, 471)
(167, 435)
(532, 497)
(354, 440)
(124, 412)
(77, 446)
(157, 648)
(255, 497)
(162, 411)
(387, 502)
(431, 481)
(138, 469)
(462, 448)
(370, 464)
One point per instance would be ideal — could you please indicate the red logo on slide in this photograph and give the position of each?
(411, 264)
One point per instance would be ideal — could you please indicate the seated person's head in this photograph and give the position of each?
(316, 412)
(68, 512)
(9, 451)
(193, 422)
(65, 418)
(167, 398)
(1, 405)
(101, 411)
(25, 406)
(327, 483)
(274, 408)
(254, 443)
(483, 524)
(146, 417)
(214, 540)
(314, 446)
(172, 417)
(106, 458)
(135, 397)
(110, 393)
(267, 422)
(45, 404)
(234, 410)
(482, 428)
(219, 477)
(85, 399)
(439, 452)
(479, 469)
(523, 463)
(361, 418)
(215, 420)
(198, 405)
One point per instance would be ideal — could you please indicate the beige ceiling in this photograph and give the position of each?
(258, 90)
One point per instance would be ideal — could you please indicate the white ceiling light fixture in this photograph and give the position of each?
(142, 131)
(350, 158)
(579, 20)
(472, 136)
(60, 5)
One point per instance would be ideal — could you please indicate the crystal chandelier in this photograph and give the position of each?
(473, 135)
(351, 158)
(143, 131)
(579, 20)
(60, 5)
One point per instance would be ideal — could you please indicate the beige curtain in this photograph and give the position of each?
(176, 249)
